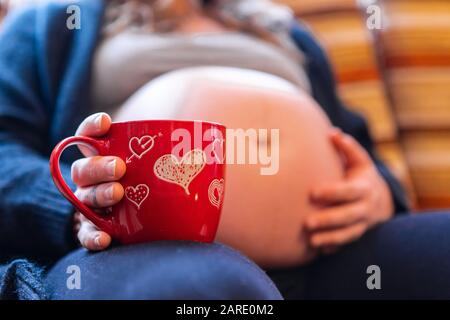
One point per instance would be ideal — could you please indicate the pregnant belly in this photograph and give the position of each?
(263, 215)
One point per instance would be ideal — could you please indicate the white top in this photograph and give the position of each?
(125, 62)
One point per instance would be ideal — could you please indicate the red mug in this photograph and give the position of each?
(174, 181)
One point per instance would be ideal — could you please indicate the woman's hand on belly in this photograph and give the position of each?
(351, 206)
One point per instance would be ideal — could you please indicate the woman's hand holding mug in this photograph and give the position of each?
(96, 179)
(173, 187)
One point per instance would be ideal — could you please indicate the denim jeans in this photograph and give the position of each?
(160, 270)
(411, 251)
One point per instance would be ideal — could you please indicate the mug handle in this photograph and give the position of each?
(104, 223)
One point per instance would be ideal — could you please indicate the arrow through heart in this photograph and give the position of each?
(140, 146)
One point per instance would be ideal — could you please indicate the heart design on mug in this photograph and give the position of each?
(216, 191)
(140, 146)
(182, 173)
(138, 194)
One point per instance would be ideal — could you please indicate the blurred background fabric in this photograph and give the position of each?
(397, 76)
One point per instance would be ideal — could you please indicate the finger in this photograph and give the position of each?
(95, 125)
(101, 195)
(94, 170)
(93, 239)
(352, 151)
(336, 217)
(339, 192)
(338, 237)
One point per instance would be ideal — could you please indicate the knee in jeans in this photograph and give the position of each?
(166, 270)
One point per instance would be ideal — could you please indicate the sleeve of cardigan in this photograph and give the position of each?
(34, 217)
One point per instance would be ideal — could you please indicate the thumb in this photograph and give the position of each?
(353, 153)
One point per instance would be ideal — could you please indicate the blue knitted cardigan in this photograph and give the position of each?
(45, 93)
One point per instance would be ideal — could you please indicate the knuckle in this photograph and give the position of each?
(91, 168)
(94, 195)
(83, 196)
(84, 169)
(95, 168)
(80, 194)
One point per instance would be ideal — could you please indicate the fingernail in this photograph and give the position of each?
(111, 168)
(98, 121)
(97, 241)
(109, 193)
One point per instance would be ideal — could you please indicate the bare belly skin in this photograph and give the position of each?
(263, 215)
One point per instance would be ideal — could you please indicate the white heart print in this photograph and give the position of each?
(183, 172)
(216, 186)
